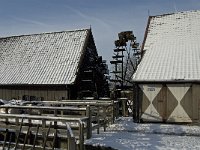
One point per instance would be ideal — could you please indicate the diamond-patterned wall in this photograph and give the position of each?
(170, 102)
(150, 92)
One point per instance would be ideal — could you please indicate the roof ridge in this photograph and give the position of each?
(76, 30)
(187, 11)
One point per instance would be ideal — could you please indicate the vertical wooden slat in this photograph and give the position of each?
(35, 138)
(104, 114)
(20, 128)
(89, 122)
(47, 134)
(6, 111)
(55, 115)
(54, 139)
(10, 139)
(26, 137)
(113, 111)
(81, 135)
(5, 137)
(98, 119)
(72, 144)
(71, 139)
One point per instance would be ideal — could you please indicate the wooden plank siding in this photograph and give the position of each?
(8, 94)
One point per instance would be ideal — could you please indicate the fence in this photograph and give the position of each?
(75, 118)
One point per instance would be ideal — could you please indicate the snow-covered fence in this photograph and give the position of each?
(79, 124)
(46, 129)
(92, 113)
(103, 112)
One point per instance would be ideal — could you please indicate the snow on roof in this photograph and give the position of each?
(47, 58)
(171, 49)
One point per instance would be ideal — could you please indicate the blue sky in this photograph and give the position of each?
(106, 17)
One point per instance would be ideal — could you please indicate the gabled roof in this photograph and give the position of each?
(171, 48)
(47, 58)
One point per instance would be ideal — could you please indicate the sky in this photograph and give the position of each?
(106, 17)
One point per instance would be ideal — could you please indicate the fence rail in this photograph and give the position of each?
(75, 118)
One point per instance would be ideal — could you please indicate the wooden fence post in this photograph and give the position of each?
(89, 122)
(113, 111)
(5, 137)
(98, 119)
(72, 143)
(47, 134)
(19, 132)
(6, 111)
(81, 135)
(55, 115)
(26, 137)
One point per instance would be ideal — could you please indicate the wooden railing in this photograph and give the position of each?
(44, 129)
(101, 107)
(75, 118)
(80, 124)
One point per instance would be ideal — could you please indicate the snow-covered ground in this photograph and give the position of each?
(126, 135)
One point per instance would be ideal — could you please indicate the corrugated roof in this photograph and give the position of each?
(47, 58)
(172, 48)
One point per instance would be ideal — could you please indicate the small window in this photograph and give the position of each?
(40, 99)
(32, 98)
(25, 97)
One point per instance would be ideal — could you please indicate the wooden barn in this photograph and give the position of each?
(167, 79)
(51, 66)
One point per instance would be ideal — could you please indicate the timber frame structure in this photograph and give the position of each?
(167, 80)
(52, 66)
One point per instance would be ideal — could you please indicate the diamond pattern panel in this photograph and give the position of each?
(159, 102)
(149, 94)
(171, 103)
(145, 103)
(186, 103)
(179, 114)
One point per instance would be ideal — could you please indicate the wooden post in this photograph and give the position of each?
(62, 113)
(17, 121)
(26, 137)
(81, 135)
(123, 107)
(10, 139)
(89, 122)
(72, 143)
(113, 111)
(43, 126)
(30, 112)
(35, 138)
(117, 109)
(54, 139)
(20, 128)
(104, 118)
(98, 119)
(5, 137)
(6, 111)
(55, 115)
(47, 134)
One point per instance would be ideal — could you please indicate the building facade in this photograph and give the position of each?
(167, 80)
(49, 66)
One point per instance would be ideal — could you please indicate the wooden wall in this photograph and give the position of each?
(38, 94)
(178, 102)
